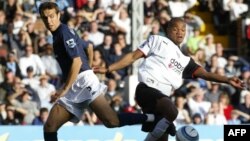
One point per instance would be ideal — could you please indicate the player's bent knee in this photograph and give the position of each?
(171, 115)
(49, 127)
(174, 114)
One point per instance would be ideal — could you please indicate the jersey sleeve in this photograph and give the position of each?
(84, 44)
(70, 43)
(190, 69)
(147, 45)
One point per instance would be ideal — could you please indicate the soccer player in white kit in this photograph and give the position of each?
(162, 71)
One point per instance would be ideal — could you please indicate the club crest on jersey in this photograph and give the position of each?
(71, 43)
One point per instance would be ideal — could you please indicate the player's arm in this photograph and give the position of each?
(127, 60)
(74, 70)
(90, 52)
(234, 81)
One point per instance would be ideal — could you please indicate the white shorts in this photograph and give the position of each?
(83, 91)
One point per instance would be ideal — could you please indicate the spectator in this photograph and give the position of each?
(41, 119)
(208, 45)
(245, 108)
(25, 106)
(183, 115)
(196, 119)
(149, 8)
(193, 41)
(11, 7)
(212, 65)
(45, 90)
(3, 46)
(78, 24)
(163, 18)
(88, 9)
(196, 102)
(98, 61)
(199, 57)
(213, 94)
(215, 115)
(3, 22)
(111, 10)
(147, 27)
(222, 61)
(3, 112)
(111, 90)
(156, 28)
(194, 21)
(245, 73)
(230, 68)
(106, 48)
(103, 21)
(234, 120)
(95, 35)
(40, 44)
(31, 80)
(227, 88)
(123, 22)
(31, 59)
(178, 7)
(11, 119)
(89, 118)
(6, 87)
(13, 65)
(118, 75)
(117, 103)
(52, 67)
(224, 101)
(121, 40)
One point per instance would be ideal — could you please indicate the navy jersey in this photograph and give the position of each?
(67, 45)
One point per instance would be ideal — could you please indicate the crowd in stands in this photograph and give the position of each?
(30, 74)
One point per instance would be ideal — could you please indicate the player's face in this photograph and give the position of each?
(177, 32)
(51, 19)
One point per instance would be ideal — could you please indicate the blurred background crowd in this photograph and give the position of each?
(29, 73)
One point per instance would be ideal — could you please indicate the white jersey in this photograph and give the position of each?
(164, 64)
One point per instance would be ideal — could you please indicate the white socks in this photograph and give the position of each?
(158, 131)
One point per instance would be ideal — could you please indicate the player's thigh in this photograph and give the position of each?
(153, 101)
(104, 112)
(147, 98)
(167, 108)
(57, 117)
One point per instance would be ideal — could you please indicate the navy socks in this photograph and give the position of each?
(50, 136)
(131, 118)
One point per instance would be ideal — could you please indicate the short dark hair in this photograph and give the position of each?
(44, 109)
(48, 5)
(173, 21)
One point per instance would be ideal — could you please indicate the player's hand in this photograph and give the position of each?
(100, 70)
(236, 82)
(54, 97)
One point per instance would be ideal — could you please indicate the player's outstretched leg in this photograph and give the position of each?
(57, 117)
(111, 119)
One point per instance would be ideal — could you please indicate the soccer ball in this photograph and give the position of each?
(187, 133)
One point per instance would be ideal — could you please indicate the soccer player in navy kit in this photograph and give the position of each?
(162, 71)
(81, 86)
